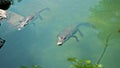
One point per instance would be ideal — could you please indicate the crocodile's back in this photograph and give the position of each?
(68, 31)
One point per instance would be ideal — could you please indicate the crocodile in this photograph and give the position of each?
(29, 18)
(70, 32)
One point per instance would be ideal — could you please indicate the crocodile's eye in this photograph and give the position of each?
(64, 37)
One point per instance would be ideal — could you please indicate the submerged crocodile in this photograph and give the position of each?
(27, 20)
(70, 32)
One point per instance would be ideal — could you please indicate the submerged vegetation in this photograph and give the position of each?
(105, 48)
(106, 17)
(76, 63)
(32, 66)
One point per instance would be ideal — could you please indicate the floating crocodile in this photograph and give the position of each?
(69, 32)
(27, 20)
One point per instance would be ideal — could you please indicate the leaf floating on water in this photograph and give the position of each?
(72, 59)
(88, 61)
(83, 63)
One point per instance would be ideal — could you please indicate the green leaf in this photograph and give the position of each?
(36, 66)
(72, 59)
(23, 66)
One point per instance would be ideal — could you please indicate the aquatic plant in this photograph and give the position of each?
(76, 63)
(109, 37)
(32, 66)
(106, 16)
(105, 48)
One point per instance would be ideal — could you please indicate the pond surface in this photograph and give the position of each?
(36, 43)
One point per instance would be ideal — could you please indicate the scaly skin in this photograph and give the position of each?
(70, 32)
(27, 20)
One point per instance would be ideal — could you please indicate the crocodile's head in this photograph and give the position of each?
(3, 14)
(22, 24)
(61, 40)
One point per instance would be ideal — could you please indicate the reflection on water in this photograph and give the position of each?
(36, 44)
(105, 16)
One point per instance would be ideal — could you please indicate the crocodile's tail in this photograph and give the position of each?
(86, 24)
(42, 10)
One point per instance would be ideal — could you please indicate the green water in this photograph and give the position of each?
(36, 44)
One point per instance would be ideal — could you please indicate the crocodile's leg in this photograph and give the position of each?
(40, 17)
(75, 38)
(81, 34)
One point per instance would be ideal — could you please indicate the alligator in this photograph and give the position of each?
(70, 32)
(29, 18)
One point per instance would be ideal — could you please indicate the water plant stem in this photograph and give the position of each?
(105, 48)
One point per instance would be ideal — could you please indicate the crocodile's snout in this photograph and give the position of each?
(59, 43)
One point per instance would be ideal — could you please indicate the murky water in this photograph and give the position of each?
(37, 42)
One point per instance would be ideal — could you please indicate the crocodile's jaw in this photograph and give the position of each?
(60, 41)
